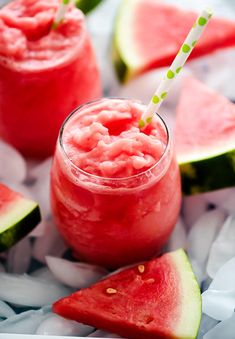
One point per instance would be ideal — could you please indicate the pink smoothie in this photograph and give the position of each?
(44, 73)
(115, 190)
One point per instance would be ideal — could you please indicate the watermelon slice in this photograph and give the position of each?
(18, 216)
(149, 33)
(205, 138)
(156, 299)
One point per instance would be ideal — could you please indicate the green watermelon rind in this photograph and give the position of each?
(17, 230)
(87, 5)
(121, 49)
(208, 174)
(192, 312)
(119, 65)
(185, 322)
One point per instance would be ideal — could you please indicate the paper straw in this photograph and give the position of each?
(60, 14)
(176, 66)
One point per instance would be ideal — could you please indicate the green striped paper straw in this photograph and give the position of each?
(60, 14)
(176, 66)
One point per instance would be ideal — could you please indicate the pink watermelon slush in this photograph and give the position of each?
(115, 190)
(44, 73)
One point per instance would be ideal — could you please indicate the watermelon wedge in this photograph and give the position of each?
(18, 216)
(155, 299)
(149, 33)
(205, 138)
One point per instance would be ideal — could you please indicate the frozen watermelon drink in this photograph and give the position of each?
(115, 189)
(45, 73)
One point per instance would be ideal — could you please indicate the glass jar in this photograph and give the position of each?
(45, 73)
(114, 221)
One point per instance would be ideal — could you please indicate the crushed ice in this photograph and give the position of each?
(30, 278)
(74, 274)
(25, 290)
(53, 324)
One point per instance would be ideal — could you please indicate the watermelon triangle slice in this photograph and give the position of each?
(149, 33)
(205, 138)
(18, 217)
(156, 299)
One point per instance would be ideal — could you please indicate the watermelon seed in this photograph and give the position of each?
(111, 290)
(150, 281)
(141, 268)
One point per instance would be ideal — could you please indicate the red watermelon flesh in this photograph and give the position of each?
(150, 33)
(8, 199)
(18, 216)
(205, 123)
(163, 29)
(157, 299)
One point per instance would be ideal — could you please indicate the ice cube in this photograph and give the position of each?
(23, 323)
(223, 248)
(221, 71)
(178, 237)
(5, 310)
(49, 244)
(217, 70)
(41, 188)
(29, 291)
(202, 234)
(44, 273)
(198, 270)
(19, 257)
(53, 324)
(12, 164)
(207, 323)
(229, 202)
(223, 330)
(39, 230)
(218, 197)
(205, 284)
(193, 207)
(219, 299)
(225, 277)
(75, 274)
(218, 304)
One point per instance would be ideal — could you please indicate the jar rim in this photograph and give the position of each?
(112, 179)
